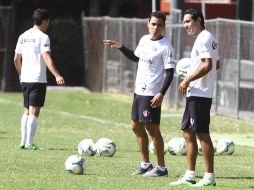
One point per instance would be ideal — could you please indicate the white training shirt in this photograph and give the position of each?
(154, 58)
(31, 44)
(205, 46)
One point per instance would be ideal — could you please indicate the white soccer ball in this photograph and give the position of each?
(177, 146)
(87, 147)
(75, 164)
(225, 146)
(200, 148)
(106, 147)
(183, 66)
(151, 148)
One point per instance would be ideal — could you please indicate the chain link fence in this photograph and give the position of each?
(108, 70)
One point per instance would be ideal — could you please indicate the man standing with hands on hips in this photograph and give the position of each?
(198, 87)
(32, 58)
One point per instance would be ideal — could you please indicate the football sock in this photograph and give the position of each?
(209, 176)
(189, 175)
(23, 129)
(144, 165)
(31, 129)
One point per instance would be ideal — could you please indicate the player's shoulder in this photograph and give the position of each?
(205, 35)
(166, 43)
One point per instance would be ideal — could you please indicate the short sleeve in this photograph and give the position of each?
(45, 44)
(168, 58)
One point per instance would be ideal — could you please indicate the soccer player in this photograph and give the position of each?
(154, 55)
(198, 84)
(32, 56)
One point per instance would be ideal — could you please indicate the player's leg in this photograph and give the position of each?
(36, 101)
(155, 133)
(141, 136)
(24, 118)
(203, 135)
(207, 151)
(142, 139)
(32, 124)
(191, 147)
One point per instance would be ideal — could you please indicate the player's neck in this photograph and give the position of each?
(156, 38)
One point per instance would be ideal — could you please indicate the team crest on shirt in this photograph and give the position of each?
(46, 45)
(154, 49)
(146, 113)
(214, 45)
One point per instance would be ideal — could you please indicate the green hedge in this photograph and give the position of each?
(67, 51)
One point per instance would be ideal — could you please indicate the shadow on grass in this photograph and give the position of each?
(221, 177)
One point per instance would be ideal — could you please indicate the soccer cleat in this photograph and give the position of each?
(21, 146)
(141, 170)
(183, 181)
(157, 172)
(32, 147)
(204, 182)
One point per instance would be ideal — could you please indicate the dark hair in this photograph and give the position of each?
(196, 13)
(40, 15)
(159, 15)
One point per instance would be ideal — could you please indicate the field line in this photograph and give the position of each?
(69, 114)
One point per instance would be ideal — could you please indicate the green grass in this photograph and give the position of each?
(70, 116)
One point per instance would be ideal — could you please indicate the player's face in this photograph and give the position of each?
(192, 27)
(155, 27)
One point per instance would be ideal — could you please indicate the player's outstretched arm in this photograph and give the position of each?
(51, 66)
(127, 52)
(112, 43)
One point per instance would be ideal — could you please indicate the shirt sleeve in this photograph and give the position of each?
(204, 49)
(168, 58)
(45, 44)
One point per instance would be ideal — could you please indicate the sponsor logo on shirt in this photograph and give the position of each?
(46, 45)
(23, 40)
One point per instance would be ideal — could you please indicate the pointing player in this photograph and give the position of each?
(32, 56)
(154, 55)
(198, 85)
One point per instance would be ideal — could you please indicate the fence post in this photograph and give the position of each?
(239, 68)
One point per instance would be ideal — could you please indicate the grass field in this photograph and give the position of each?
(70, 116)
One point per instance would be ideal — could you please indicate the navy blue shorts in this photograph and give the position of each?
(197, 114)
(34, 94)
(143, 112)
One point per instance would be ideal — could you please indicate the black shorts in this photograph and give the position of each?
(34, 94)
(143, 112)
(197, 114)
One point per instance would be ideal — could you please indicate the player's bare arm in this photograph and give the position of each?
(18, 62)
(205, 67)
(51, 66)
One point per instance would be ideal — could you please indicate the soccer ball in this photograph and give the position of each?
(87, 147)
(75, 164)
(183, 66)
(177, 146)
(106, 147)
(151, 148)
(200, 148)
(225, 146)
